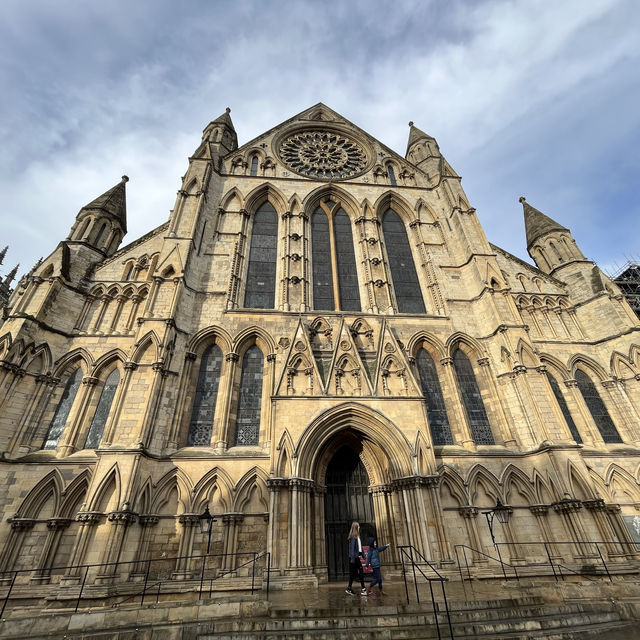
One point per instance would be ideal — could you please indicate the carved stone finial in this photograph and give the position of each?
(522, 199)
(411, 123)
(125, 178)
(228, 109)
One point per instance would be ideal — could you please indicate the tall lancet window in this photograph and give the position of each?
(102, 411)
(254, 166)
(63, 409)
(403, 270)
(204, 404)
(249, 398)
(433, 399)
(334, 261)
(597, 408)
(562, 403)
(472, 400)
(260, 292)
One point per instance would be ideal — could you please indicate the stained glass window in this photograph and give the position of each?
(403, 270)
(597, 408)
(204, 403)
(261, 275)
(102, 411)
(250, 398)
(562, 403)
(321, 257)
(472, 400)
(63, 409)
(434, 401)
(346, 258)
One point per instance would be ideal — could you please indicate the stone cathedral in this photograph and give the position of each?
(320, 333)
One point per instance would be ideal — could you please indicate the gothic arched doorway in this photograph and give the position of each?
(347, 499)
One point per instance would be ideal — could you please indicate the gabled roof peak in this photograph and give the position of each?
(416, 135)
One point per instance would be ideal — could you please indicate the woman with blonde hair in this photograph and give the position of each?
(355, 552)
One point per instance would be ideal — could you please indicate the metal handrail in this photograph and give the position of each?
(441, 579)
(255, 556)
(501, 562)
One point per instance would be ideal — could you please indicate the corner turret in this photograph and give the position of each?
(219, 138)
(551, 245)
(102, 223)
(423, 151)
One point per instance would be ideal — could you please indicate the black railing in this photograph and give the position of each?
(411, 555)
(109, 571)
(586, 550)
(499, 560)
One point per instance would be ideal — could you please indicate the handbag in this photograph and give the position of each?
(363, 560)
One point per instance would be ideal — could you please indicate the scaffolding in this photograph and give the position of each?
(628, 280)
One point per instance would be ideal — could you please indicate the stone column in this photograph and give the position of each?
(300, 489)
(120, 521)
(230, 541)
(69, 440)
(470, 515)
(56, 527)
(184, 564)
(275, 487)
(145, 521)
(541, 512)
(568, 508)
(176, 438)
(606, 533)
(11, 551)
(88, 520)
(620, 530)
(121, 299)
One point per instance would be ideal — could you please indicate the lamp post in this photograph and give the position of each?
(206, 524)
(206, 521)
(503, 514)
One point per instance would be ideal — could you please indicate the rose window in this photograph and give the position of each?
(323, 155)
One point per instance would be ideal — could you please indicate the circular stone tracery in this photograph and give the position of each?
(323, 155)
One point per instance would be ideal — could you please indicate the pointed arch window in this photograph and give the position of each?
(433, 399)
(103, 228)
(102, 411)
(392, 176)
(335, 276)
(247, 430)
(63, 409)
(260, 291)
(254, 166)
(472, 399)
(403, 270)
(204, 403)
(562, 403)
(597, 408)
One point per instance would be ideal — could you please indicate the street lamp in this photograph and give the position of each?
(206, 521)
(499, 511)
(503, 514)
(206, 524)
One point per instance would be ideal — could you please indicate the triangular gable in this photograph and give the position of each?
(300, 375)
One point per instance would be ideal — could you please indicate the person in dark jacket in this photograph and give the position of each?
(355, 552)
(373, 561)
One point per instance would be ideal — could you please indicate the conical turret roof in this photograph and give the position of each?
(416, 134)
(113, 202)
(536, 224)
(225, 119)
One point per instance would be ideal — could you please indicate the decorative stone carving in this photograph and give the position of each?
(323, 155)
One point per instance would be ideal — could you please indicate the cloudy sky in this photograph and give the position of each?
(535, 98)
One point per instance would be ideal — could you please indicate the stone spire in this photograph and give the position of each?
(3, 253)
(112, 202)
(221, 136)
(536, 224)
(11, 275)
(416, 135)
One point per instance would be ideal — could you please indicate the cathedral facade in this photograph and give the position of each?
(320, 333)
